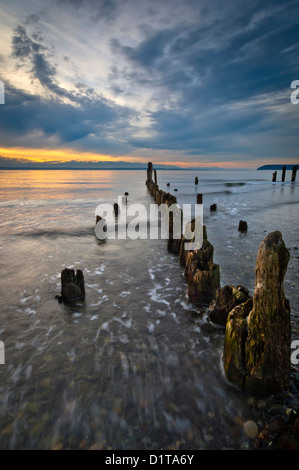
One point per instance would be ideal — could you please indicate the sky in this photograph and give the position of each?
(191, 83)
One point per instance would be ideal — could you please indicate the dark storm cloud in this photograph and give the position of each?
(210, 76)
(218, 69)
(149, 51)
(250, 46)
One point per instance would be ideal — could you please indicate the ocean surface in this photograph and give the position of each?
(134, 366)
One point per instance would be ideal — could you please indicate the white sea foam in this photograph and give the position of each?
(124, 364)
(151, 273)
(175, 317)
(30, 311)
(92, 286)
(157, 297)
(99, 271)
(125, 293)
(147, 308)
(28, 372)
(162, 313)
(100, 301)
(125, 323)
(124, 339)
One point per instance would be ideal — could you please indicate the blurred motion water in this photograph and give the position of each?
(134, 366)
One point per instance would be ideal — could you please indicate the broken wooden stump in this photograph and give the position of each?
(189, 237)
(175, 221)
(149, 174)
(199, 199)
(294, 172)
(203, 275)
(242, 226)
(72, 286)
(283, 174)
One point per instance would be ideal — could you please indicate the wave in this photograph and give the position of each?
(235, 183)
(58, 233)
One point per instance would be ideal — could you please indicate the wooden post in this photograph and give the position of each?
(199, 199)
(196, 180)
(283, 174)
(274, 176)
(294, 173)
(155, 176)
(149, 173)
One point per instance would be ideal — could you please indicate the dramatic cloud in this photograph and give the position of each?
(197, 81)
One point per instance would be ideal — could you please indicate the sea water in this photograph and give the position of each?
(135, 365)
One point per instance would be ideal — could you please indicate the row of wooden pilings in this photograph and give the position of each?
(293, 177)
(202, 274)
(256, 355)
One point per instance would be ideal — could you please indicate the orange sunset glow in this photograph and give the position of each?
(58, 155)
(41, 155)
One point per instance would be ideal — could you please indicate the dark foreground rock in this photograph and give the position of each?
(257, 337)
(72, 286)
(288, 435)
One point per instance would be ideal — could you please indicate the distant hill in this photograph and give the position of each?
(7, 163)
(276, 167)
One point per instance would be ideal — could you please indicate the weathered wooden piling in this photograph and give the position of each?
(116, 208)
(72, 286)
(196, 180)
(174, 244)
(243, 226)
(149, 176)
(155, 176)
(274, 176)
(257, 337)
(294, 172)
(283, 176)
(203, 275)
(186, 238)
